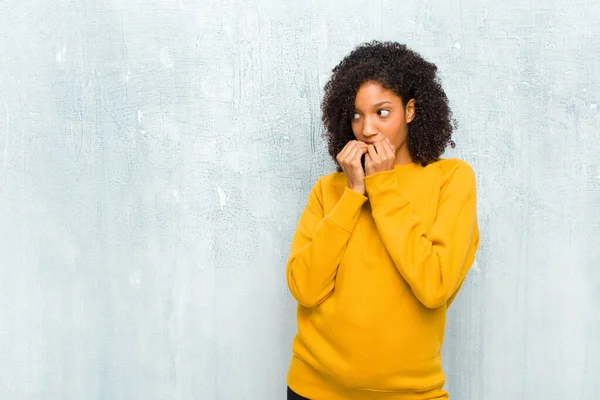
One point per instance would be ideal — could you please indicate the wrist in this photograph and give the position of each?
(360, 189)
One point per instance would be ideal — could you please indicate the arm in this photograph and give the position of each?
(433, 263)
(319, 245)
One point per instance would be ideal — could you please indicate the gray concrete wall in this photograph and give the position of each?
(155, 156)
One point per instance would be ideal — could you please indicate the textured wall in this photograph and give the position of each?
(155, 156)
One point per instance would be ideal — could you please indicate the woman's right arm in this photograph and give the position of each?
(319, 245)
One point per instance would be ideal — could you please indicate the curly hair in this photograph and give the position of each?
(408, 75)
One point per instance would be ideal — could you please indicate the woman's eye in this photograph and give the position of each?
(384, 113)
(355, 116)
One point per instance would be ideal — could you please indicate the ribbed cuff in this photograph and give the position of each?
(383, 191)
(346, 211)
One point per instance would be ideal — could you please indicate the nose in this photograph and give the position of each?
(369, 129)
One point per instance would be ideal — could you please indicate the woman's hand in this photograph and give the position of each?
(349, 159)
(381, 157)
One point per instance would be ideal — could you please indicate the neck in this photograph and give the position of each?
(403, 156)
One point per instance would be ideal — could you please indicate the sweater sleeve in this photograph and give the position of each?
(435, 262)
(319, 244)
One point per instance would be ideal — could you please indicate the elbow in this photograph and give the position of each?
(434, 300)
(307, 298)
(433, 304)
(304, 296)
(307, 302)
(305, 290)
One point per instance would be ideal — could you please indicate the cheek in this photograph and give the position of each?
(355, 129)
(396, 130)
(400, 122)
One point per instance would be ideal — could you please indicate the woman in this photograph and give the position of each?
(385, 243)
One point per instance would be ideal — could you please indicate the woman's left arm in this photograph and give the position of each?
(434, 263)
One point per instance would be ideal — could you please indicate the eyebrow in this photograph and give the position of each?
(379, 104)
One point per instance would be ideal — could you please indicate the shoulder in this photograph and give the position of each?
(327, 187)
(332, 180)
(455, 170)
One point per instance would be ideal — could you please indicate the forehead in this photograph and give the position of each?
(372, 92)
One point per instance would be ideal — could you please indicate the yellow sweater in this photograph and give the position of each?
(373, 277)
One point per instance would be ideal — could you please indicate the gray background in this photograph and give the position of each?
(155, 157)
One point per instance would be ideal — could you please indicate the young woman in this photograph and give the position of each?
(384, 244)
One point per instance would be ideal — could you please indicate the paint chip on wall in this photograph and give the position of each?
(222, 197)
(165, 58)
(60, 55)
(135, 279)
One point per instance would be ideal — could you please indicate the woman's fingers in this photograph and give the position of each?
(382, 151)
(390, 149)
(381, 157)
(373, 155)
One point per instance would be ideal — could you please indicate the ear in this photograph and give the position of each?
(409, 112)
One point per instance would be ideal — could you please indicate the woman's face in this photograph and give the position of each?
(380, 114)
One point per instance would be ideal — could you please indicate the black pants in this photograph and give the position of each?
(294, 396)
